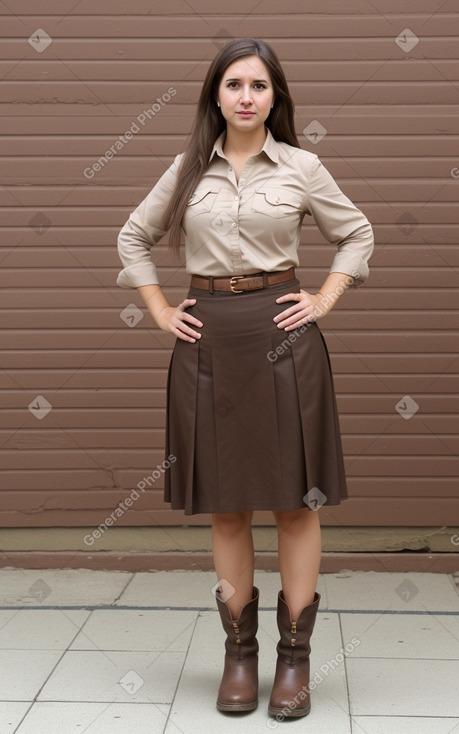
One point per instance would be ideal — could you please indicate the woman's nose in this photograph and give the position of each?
(246, 94)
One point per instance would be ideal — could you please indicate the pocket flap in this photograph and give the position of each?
(278, 197)
(201, 194)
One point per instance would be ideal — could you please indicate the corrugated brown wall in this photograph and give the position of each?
(390, 112)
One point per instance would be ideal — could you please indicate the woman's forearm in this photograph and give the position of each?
(333, 287)
(154, 299)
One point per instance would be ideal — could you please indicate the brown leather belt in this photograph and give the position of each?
(242, 283)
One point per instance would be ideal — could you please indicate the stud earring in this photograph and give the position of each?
(218, 104)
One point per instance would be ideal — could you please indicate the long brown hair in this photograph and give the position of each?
(209, 123)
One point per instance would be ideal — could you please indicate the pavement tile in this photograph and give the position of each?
(400, 687)
(59, 586)
(94, 718)
(424, 592)
(114, 676)
(133, 629)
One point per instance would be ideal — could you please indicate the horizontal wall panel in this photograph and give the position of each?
(300, 24)
(106, 92)
(372, 189)
(363, 383)
(110, 318)
(364, 455)
(370, 298)
(345, 341)
(428, 255)
(351, 120)
(142, 417)
(345, 364)
(17, 171)
(203, 45)
(150, 436)
(395, 70)
(101, 277)
(63, 8)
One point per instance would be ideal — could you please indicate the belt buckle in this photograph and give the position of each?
(235, 278)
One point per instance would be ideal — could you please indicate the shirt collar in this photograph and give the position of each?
(270, 146)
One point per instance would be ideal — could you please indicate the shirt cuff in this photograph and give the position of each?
(138, 274)
(351, 264)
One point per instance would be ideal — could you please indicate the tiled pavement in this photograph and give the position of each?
(95, 652)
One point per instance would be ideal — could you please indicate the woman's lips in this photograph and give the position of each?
(246, 114)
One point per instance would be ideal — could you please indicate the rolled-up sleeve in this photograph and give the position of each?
(341, 223)
(144, 228)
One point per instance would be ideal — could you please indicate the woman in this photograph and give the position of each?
(251, 412)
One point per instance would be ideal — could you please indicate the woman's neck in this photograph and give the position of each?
(244, 143)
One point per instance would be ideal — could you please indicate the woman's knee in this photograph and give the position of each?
(295, 519)
(231, 522)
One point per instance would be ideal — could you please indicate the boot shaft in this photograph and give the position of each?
(295, 635)
(240, 633)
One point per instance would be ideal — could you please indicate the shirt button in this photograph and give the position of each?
(236, 198)
(234, 224)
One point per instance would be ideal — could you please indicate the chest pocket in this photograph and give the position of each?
(276, 202)
(201, 201)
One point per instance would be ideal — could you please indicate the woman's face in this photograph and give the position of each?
(246, 94)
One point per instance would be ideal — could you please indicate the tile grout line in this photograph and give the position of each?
(187, 652)
(120, 607)
(346, 676)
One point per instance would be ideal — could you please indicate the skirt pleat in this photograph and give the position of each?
(180, 424)
(251, 411)
(325, 476)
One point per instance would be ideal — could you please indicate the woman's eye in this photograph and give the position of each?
(258, 85)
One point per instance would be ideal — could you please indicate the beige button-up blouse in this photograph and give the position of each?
(241, 227)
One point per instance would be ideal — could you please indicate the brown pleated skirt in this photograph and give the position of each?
(252, 422)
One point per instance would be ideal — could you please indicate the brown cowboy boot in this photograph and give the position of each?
(239, 685)
(291, 682)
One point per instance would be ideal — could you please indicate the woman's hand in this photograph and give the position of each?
(308, 308)
(176, 320)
